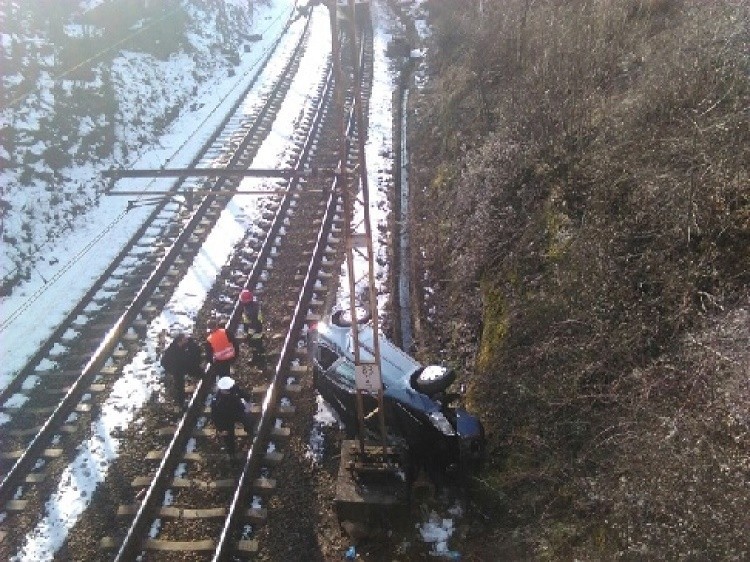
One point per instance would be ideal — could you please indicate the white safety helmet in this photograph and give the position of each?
(225, 383)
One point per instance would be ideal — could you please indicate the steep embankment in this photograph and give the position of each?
(582, 218)
(85, 90)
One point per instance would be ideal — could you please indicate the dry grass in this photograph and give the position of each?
(593, 201)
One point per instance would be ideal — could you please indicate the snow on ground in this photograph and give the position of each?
(379, 161)
(31, 313)
(142, 377)
(437, 529)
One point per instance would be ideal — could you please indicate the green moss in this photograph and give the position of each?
(495, 325)
(557, 227)
(557, 541)
(442, 183)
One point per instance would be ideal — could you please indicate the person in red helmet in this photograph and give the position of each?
(220, 348)
(252, 320)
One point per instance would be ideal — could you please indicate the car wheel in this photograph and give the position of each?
(433, 379)
(343, 318)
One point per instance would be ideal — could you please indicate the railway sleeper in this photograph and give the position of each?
(109, 371)
(100, 323)
(283, 411)
(46, 410)
(279, 432)
(130, 338)
(74, 359)
(261, 485)
(131, 282)
(26, 431)
(149, 311)
(212, 214)
(121, 353)
(94, 388)
(293, 388)
(256, 515)
(109, 543)
(159, 296)
(273, 458)
(270, 458)
(140, 325)
(58, 373)
(299, 370)
(203, 432)
(51, 453)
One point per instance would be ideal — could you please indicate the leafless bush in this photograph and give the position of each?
(582, 207)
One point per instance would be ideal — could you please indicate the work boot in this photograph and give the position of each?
(234, 460)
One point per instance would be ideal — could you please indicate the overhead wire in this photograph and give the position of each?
(58, 274)
(79, 255)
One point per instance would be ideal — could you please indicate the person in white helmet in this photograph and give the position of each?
(230, 405)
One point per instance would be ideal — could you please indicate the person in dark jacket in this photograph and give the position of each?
(230, 405)
(252, 321)
(182, 357)
(220, 348)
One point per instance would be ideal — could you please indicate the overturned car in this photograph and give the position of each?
(419, 412)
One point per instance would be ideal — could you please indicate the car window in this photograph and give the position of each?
(326, 356)
(344, 370)
(395, 365)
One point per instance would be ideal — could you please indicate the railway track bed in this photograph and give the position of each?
(289, 252)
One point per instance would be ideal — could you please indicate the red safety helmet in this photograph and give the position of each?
(246, 296)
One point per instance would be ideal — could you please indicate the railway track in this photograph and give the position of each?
(290, 258)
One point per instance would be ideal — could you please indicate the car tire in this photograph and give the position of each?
(433, 379)
(343, 318)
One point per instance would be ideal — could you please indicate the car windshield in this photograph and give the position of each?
(392, 378)
(395, 366)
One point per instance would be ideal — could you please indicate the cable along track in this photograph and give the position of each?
(52, 403)
(214, 512)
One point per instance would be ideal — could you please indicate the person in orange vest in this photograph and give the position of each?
(221, 348)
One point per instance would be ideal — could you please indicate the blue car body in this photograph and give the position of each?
(442, 438)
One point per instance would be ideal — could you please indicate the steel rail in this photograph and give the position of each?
(151, 501)
(15, 384)
(98, 358)
(132, 545)
(16, 474)
(253, 461)
(217, 172)
(153, 498)
(259, 444)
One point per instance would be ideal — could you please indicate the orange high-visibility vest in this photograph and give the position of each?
(221, 346)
